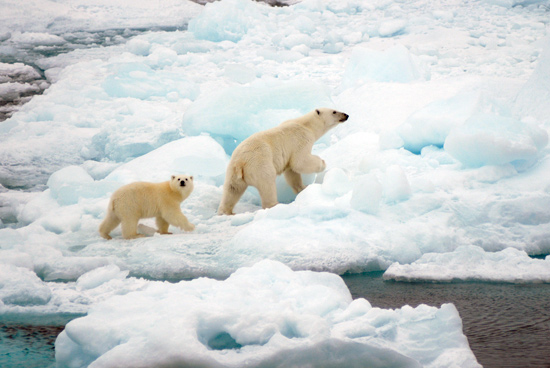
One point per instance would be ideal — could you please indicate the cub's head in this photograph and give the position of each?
(182, 183)
(331, 117)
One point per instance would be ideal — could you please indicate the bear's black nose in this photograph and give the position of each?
(346, 116)
(182, 183)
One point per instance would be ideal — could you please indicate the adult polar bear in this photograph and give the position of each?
(284, 149)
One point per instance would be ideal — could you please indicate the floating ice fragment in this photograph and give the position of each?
(472, 263)
(227, 20)
(67, 268)
(21, 286)
(393, 27)
(33, 39)
(261, 316)
(98, 276)
(138, 46)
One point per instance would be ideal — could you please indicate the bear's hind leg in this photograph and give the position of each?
(162, 225)
(129, 229)
(268, 193)
(231, 194)
(110, 222)
(294, 180)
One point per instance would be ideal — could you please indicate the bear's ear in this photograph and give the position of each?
(173, 177)
(191, 177)
(318, 112)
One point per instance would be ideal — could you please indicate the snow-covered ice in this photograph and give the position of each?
(444, 158)
(261, 316)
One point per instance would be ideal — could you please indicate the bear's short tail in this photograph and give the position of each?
(109, 223)
(238, 171)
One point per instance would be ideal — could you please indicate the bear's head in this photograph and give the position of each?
(331, 117)
(182, 184)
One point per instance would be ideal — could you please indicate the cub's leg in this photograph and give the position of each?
(308, 164)
(129, 228)
(294, 180)
(174, 217)
(162, 225)
(110, 222)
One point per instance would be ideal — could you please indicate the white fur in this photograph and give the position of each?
(140, 200)
(285, 149)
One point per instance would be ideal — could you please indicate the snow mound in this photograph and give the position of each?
(21, 286)
(490, 139)
(200, 156)
(261, 316)
(396, 64)
(431, 125)
(235, 113)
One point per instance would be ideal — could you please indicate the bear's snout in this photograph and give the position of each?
(182, 183)
(344, 118)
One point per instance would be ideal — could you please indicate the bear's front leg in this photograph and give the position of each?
(162, 225)
(308, 164)
(176, 218)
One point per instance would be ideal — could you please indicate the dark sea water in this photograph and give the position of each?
(506, 325)
(28, 342)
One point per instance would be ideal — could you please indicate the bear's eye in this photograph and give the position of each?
(186, 179)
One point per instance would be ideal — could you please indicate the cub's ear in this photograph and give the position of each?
(318, 112)
(191, 177)
(173, 177)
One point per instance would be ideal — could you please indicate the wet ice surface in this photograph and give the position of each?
(444, 159)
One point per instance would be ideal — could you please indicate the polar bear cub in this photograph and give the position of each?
(285, 149)
(135, 201)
